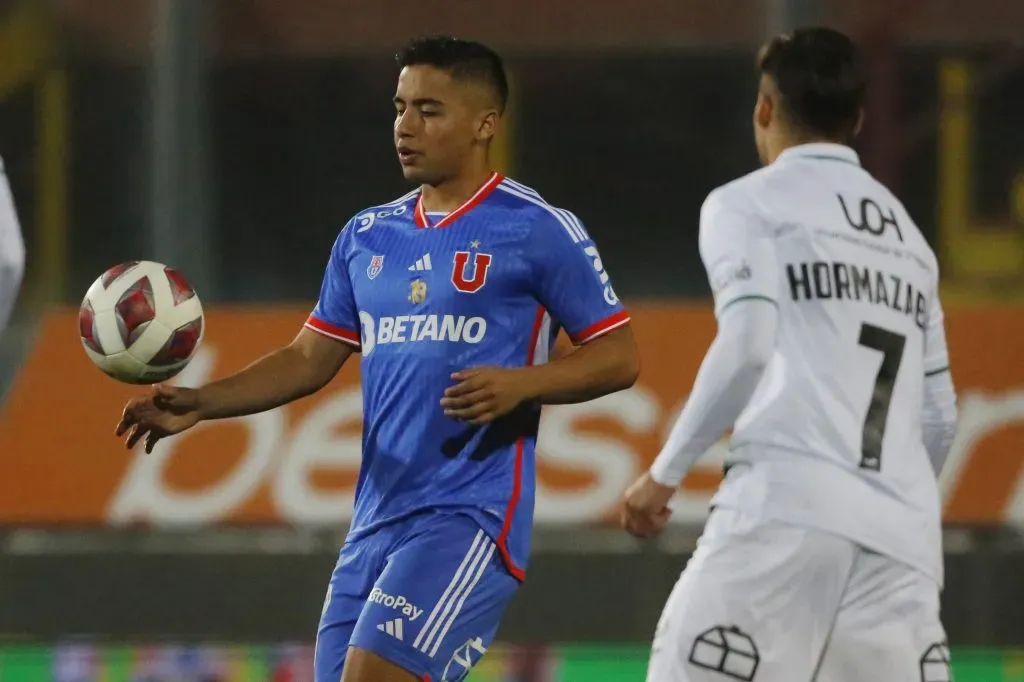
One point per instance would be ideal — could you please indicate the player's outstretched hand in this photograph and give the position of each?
(645, 507)
(167, 410)
(483, 394)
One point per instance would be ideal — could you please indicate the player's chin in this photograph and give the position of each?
(416, 174)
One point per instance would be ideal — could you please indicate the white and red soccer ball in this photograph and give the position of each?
(141, 322)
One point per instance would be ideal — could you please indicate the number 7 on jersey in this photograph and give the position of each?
(890, 345)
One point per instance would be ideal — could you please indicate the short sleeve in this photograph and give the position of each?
(570, 280)
(738, 254)
(336, 314)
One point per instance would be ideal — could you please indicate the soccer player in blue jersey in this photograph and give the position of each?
(454, 295)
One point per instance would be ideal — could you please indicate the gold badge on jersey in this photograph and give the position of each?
(418, 291)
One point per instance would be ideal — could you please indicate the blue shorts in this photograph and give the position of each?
(426, 593)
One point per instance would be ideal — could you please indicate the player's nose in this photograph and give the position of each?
(403, 128)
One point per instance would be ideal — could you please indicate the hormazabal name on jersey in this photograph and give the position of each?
(821, 280)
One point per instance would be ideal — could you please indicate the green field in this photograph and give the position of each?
(90, 662)
(624, 664)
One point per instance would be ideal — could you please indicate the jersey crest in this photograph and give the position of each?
(470, 280)
(376, 265)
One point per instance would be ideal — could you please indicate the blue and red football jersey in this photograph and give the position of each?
(423, 296)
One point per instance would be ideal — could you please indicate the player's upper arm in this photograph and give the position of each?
(570, 280)
(738, 252)
(336, 316)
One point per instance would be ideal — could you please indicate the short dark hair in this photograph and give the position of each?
(461, 58)
(820, 78)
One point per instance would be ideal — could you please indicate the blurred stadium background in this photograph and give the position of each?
(232, 138)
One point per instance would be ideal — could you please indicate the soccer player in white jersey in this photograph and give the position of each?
(821, 559)
(12, 251)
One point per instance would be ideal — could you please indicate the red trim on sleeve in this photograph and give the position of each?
(601, 328)
(333, 331)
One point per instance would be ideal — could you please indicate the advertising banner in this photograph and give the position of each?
(62, 463)
(83, 662)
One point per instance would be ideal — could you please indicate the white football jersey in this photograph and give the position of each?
(832, 436)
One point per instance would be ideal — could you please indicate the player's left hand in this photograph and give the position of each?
(483, 394)
(645, 508)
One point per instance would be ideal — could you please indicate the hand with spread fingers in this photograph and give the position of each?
(167, 410)
(483, 394)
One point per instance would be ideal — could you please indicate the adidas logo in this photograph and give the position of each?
(393, 628)
(421, 264)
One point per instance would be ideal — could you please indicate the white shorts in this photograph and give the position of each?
(762, 601)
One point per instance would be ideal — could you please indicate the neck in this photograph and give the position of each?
(449, 194)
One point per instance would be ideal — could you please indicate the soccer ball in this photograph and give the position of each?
(141, 322)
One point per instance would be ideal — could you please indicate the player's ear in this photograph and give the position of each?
(764, 109)
(860, 122)
(488, 125)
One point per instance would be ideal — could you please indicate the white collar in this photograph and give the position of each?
(820, 150)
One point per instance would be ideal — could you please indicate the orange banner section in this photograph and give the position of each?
(61, 463)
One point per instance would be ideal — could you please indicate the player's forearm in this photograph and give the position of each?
(938, 419)
(724, 385)
(602, 366)
(274, 380)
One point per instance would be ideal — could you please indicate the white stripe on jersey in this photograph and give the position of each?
(540, 351)
(574, 222)
(471, 557)
(571, 217)
(570, 227)
(401, 200)
(523, 188)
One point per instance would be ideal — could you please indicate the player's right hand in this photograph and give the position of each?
(645, 509)
(167, 410)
